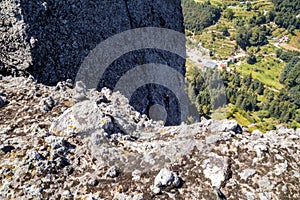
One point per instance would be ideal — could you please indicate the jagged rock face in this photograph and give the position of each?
(121, 154)
(14, 46)
(51, 39)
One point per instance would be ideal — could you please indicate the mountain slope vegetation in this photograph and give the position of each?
(262, 82)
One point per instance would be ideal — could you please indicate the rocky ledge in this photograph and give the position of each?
(67, 142)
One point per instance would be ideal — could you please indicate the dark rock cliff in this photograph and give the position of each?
(50, 39)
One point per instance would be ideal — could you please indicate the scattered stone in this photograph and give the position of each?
(264, 196)
(264, 184)
(67, 193)
(245, 174)
(296, 174)
(227, 135)
(256, 134)
(298, 132)
(281, 168)
(136, 175)
(94, 182)
(120, 196)
(155, 189)
(260, 149)
(72, 159)
(250, 196)
(285, 131)
(112, 172)
(217, 169)
(80, 92)
(210, 139)
(47, 104)
(69, 83)
(167, 178)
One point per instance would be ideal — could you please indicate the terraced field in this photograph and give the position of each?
(267, 71)
(267, 68)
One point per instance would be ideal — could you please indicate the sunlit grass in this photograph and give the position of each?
(267, 71)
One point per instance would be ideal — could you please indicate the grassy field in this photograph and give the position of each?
(262, 5)
(295, 39)
(294, 42)
(267, 70)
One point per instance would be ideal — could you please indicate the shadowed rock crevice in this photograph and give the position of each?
(160, 95)
(128, 12)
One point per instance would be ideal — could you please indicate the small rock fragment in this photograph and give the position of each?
(112, 172)
(167, 178)
(155, 189)
(226, 126)
(47, 104)
(264, 184)
(256, 134)
(79, 92)
(280, 168)
(94, 182)
(245, 174)
(217, 169)
(136, 175)
(67, 193)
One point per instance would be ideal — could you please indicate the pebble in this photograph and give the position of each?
(245, 174)
(167, 178)
(136, 175)
(2, 101)
(112, 172)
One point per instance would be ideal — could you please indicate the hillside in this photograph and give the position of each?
(252, 43)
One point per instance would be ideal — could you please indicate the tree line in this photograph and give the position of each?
(207, 92)
(285, 14)
(198, 16)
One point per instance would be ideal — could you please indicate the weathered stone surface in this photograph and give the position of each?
(226, 126)
(83, 118)
(217, 169)
(166, 178)
(245, 174)
(42, 164)
(85, 24)
(15, 47)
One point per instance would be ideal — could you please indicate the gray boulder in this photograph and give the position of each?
(217, 169)
(225, 126)
(165, 178)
